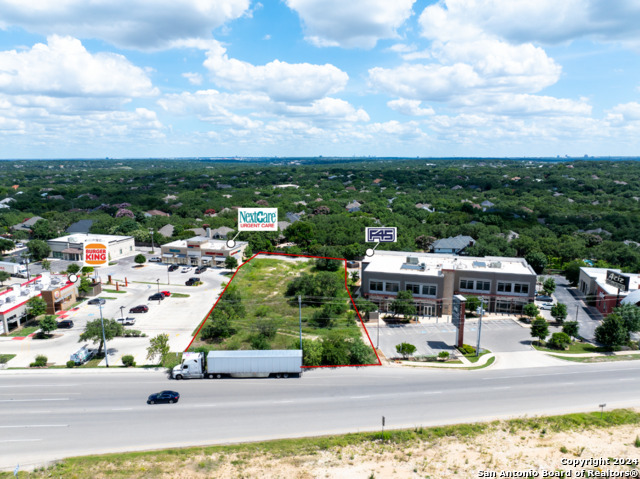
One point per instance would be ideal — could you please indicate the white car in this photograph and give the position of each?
(127, 321)
(547, 306)
(186, 269)
(19, 245)
(155, 259)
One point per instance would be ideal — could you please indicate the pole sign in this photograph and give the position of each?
(382, 235)
(618, 280)
(258, 219)
(96, 254)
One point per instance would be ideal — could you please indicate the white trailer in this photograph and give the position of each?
(240, 364)
(14, 269)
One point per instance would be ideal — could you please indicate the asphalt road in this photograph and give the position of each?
(576, 308)
(54, 414)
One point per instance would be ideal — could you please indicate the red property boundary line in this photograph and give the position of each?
(379, 363)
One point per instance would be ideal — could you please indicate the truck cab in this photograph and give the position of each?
(192, 366)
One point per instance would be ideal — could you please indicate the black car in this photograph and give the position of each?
(201, 269)
(97, 301)
(156, 297)
(192, 281)
(164, 396)
(65, 324)
(139, 309)
(173, 267)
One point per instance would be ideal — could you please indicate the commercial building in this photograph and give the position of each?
(592, 282)
(70, 247)
(201, 251)
(506, 284)
(57, 292)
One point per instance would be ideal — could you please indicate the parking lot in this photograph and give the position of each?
(176, 316)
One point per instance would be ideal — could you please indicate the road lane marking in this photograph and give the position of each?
(359, 397)
(40, 386)
(29, 426)
(32, 400)
(501, 387)
(282, 402)
(432, 392)
(20, 440)
(123, 409)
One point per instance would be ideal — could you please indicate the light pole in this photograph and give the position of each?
(168, 278)
(104, 339)
(151, 233)
(300, 318)
(26, 261)
(122, 311)
(480, 326)
(158, 281)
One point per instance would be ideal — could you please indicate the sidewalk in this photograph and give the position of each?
(483, 360)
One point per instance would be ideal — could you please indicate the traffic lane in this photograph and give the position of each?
(208, 419)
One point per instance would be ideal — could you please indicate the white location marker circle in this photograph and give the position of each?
(231, 244)
(73, 278)
(369, 252)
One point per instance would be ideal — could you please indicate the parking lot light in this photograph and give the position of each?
(121, 311)
(158, 281)
(104, 339)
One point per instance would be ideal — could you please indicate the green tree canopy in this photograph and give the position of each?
(230, 262)
(630, 314)
(559, 311)
(540, 328)
(38, 249)
(612, 332)
(403, 304)
(4, 276)
(530, 310)
(158, 347)
(571, 328)
(549, 286)
(537, 260)
(36, 306)
(93, 331)
(406, 349)
(48, 324)
(140, 258)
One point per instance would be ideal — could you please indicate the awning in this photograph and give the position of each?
(72, 251)
(167, 255)
(181, 256)
(220, 260)
(197, 255)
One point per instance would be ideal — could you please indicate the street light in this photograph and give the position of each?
(122, 311)
(480, 326)
(104, 339)
(158, 281)
(168, 278)
(151, 233)
(26, 261)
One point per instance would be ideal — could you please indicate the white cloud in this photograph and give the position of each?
(286, 82)
(409, 107)
(353, 23)
(140, 24)
(624, 113)
(65, 68)
(194, 78)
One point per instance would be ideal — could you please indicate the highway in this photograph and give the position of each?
(58, 413)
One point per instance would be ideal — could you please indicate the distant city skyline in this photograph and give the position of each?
(309, 78)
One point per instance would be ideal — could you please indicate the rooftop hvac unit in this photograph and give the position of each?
(25, 292)
(496, 264)
(10, 299)
(412, 260)
(38, 287)
(423, 266)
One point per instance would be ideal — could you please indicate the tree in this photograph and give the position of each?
(230, 262)
(424, 242)
(38, 249)
(36, 306)
(158, 346)
(93, 331)
(537, 260)
(311, 352)
(219, 327)
(140, 258)
(48, 324)
(612, 332)
(630, 314)
(559, 311)
(335, 350)
(530, 310)
(6, 245)
(572, 271)
(559, 341)
(301, 233)
(46, 264)
(43, 230)
(73, 268)
(571, 328)
(361, 353)
(365, 306)
(549, 286)
(403, 304)
(406, 349)
(85, 285)
(540, 328)
(472, 303)
(4, 276)
(87, 269)
(325, 264)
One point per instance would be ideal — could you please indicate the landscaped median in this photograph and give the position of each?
(546, 443)
(582, 352)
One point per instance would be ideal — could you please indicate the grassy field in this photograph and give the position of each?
(26, 331)
(574, 348)
(5, 358)
(337, 452)
(600, 359)
(262, 284)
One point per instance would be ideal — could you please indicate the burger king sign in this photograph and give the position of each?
(96, 254)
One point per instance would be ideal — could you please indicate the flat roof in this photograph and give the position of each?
(600, 276)
(12, 298)
(396, 262)
(85, 237)
(207, 243)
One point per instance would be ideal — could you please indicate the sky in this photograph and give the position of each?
(223, 78)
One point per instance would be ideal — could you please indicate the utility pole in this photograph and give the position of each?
(480, 326)
(577, 306)
(300, 318)
(104, 339)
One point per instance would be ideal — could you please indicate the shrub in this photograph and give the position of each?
(467, 349)
(267, 328)
(128, 361)
(443, 355)
(40, 361)
(406, 349)
(559, 341)
(71, 363)
(260, 342)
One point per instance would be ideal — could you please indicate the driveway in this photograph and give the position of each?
(588, 317)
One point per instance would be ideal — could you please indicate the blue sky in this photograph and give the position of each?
(175, 78)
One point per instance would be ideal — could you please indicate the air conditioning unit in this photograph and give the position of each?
(412, 260)
(10, 299)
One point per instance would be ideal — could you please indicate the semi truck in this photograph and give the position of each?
(14, 269)
(240, 364)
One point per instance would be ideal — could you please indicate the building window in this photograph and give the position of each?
(429, 289)
(391, 287)
(57, 254)
(376, 286)
(504, 287)
(521, 288)
(414, 288)
(466, 284)
(483, 285)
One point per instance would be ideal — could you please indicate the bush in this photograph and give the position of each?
(40, 362)
(71, 363)
(260, 342)
(467, 349)
(267, 328)
(443, 355)
(406, 349)
(128, 361)
(559, 341)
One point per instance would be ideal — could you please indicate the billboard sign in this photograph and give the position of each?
(617, 280)
(96, 254)
(382, 235)
(257, 219)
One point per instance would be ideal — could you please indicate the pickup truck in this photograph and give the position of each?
(127, 321)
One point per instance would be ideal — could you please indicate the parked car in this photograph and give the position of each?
(166, 294)
(156, 297)
(139, 309)
(164, 397)
(65, 324)
(546, 299)
(97, 301)
(173, 267)
(547, 306)
(155, 259)
(127, 321)
(201, 269)
(186, 269)
(192, 281)
(19, 245)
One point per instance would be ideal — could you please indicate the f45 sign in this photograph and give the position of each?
(382, 235)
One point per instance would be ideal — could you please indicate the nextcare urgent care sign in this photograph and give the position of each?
(257, 219)
(96, 254)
